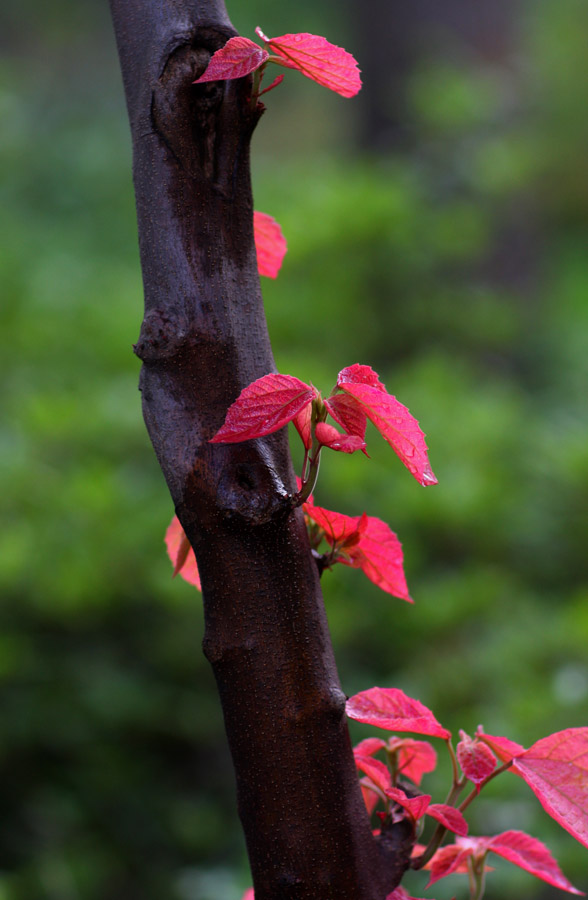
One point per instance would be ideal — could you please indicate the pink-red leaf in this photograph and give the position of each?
(416, 807)
(369, 794)
(379, 555)
(181, 554)
(448, 860)
(503, 747)
(270, 244)
(369, 746)
(556, 770)
(358, 374)
(303, 424)
(369, 544)
(533, 856)
(400, 894)
(315, 57)
(248, 895)
(415, 758)
(263, 407)
(237, 58)
(475, 758)
(375, 770)
(338, 527)
(396, 425)
(328, 436)
(448, 816)
(348, 413)
(277, 80)
(391, 709)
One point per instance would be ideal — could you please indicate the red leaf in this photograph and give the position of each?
(475, 758)
(277, 80)
(302, 422)
(415, 758)
(503, 747)
(379, 555)
(370, 797)
(248, 895)
(556, 770)
(447, 860)
(181, 553)
(328, 436)
(375, 770)
(369, 746)
(263, 407)
(270, 244)
(237, 58)
(338, 527)
(400, 894)
(533, 856)
(319, 60)
(358, 374)
(396, 425)
(346, 411)
(416, 807)
(374, 548)
(391, 709)
(448, 816)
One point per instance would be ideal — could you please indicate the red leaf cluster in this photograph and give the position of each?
(274, 400)
(366, 543)
(517, 847)
(556, 770)
(323, 62)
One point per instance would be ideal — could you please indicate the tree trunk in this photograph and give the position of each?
(203, 339)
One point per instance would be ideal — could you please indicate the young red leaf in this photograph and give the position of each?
(447, 861)
(315, 57)
(449, 817)
(556, 770)
(303, 424)
(475, 758)
(248, 895)
(270, 244)
(369, 544)
(375, 770)
(181, 553)
(416, 807)
(503, 747)
(263, 407)
(379, 555)
(338, 528)
(237, 58)
(533, 856)
(277, 80)
(328, 436)
(369, 794)
(392, 710)
(348, 414)
(400, 894)
(396, 425)
(369, 746)
(358, 374)
(415, 758)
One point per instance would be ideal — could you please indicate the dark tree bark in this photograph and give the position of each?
(203, 339)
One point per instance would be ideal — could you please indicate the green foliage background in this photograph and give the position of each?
(457, 269)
